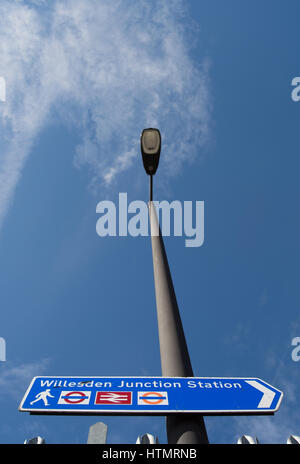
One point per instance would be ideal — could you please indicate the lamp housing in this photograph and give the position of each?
(150, 148)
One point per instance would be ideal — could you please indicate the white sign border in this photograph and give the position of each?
(106, 412)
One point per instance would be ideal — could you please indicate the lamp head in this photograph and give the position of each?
(150, 148)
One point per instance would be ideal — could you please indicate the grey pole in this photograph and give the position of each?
(175, 360)
(97, 434)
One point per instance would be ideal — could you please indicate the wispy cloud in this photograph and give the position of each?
(268, 429)
(15, 378)
(106, 68)
(285, 422)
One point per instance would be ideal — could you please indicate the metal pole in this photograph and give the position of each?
(97, 434)
(175, 361)
(151, 187)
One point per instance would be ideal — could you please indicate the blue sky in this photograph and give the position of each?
(83, 78)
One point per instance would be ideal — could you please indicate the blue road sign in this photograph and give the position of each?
(150, 395)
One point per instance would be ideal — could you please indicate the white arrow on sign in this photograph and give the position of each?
(268, 395)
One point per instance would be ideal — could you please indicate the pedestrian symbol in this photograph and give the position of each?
(43, 395)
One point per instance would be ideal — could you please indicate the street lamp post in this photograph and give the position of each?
(182, 428)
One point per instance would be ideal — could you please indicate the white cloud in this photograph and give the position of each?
(268, 429)
(15, 378)
(108, 69)
(285, 422)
